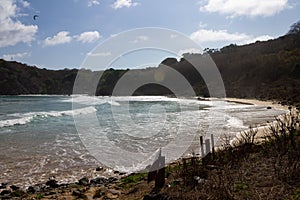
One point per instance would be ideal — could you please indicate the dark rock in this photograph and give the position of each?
(52, 183)
(14, 188)
(98, 181)
(84, 181)
(269, 107)
(5, 192)
(3, 185)
(31, 190)
(112, 179)
(99, 169)
(154, 197)
(122, 173)
(116, 172)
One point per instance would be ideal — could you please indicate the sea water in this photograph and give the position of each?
(39, 138)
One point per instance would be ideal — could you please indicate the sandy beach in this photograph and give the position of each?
(272, 104)
(262, 130)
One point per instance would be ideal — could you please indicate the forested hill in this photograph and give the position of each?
(263, 70)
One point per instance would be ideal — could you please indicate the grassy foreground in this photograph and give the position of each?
(246, 170)
(269, 169)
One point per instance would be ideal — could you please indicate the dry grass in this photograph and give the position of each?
(245, 170)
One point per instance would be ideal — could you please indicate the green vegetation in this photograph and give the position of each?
(267, 70)
(39, 196)
(132, 179)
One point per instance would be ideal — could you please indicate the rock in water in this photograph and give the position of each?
(84, 181)
(14, 188)
(52, 183)
(31, 190)
(99, 169)
(3, 185)
(5, 192)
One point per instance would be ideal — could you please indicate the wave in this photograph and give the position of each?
(25, 118)
(235, 122)
(114, 100)
(91, 100)
(12, 122)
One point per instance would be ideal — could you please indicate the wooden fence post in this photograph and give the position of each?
(212, 145)
(157, 172)
(201, 147)
(207, 146)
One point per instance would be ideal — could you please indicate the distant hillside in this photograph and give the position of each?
(267, 70)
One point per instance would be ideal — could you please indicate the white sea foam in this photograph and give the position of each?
(114, 100)
(12, 122)
(235, 123)
(91, 100)
(25, 118)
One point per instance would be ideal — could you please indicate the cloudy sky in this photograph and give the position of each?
(66, 31)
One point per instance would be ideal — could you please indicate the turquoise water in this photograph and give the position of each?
(38, 136)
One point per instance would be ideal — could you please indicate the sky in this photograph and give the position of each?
(66, 31)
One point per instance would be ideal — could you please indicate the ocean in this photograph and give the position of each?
(69, 136)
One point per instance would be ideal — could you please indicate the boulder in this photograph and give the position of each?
(98, 181)
(84, 181)
(52, 183)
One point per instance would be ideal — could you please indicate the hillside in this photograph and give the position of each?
(267, 70)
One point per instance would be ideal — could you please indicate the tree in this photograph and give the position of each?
(295, 28)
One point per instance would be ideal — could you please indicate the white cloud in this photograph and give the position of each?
(260, 38)
(234, 8)
(205, 36)
(88, 37)
(15, 56)
(24, 3)
(102, 54)
(192, 50)
(13, 31)
(140, 39)
(63, 37)
(60, 38)
(93, 3)
(124, 3)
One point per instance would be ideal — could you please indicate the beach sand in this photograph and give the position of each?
(272, 104)
(263, 130)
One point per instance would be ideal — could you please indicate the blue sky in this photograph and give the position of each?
(67, 30)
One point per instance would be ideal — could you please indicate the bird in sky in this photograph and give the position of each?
(35, 17)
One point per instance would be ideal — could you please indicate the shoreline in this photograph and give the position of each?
(261, 129)
(272, 104)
